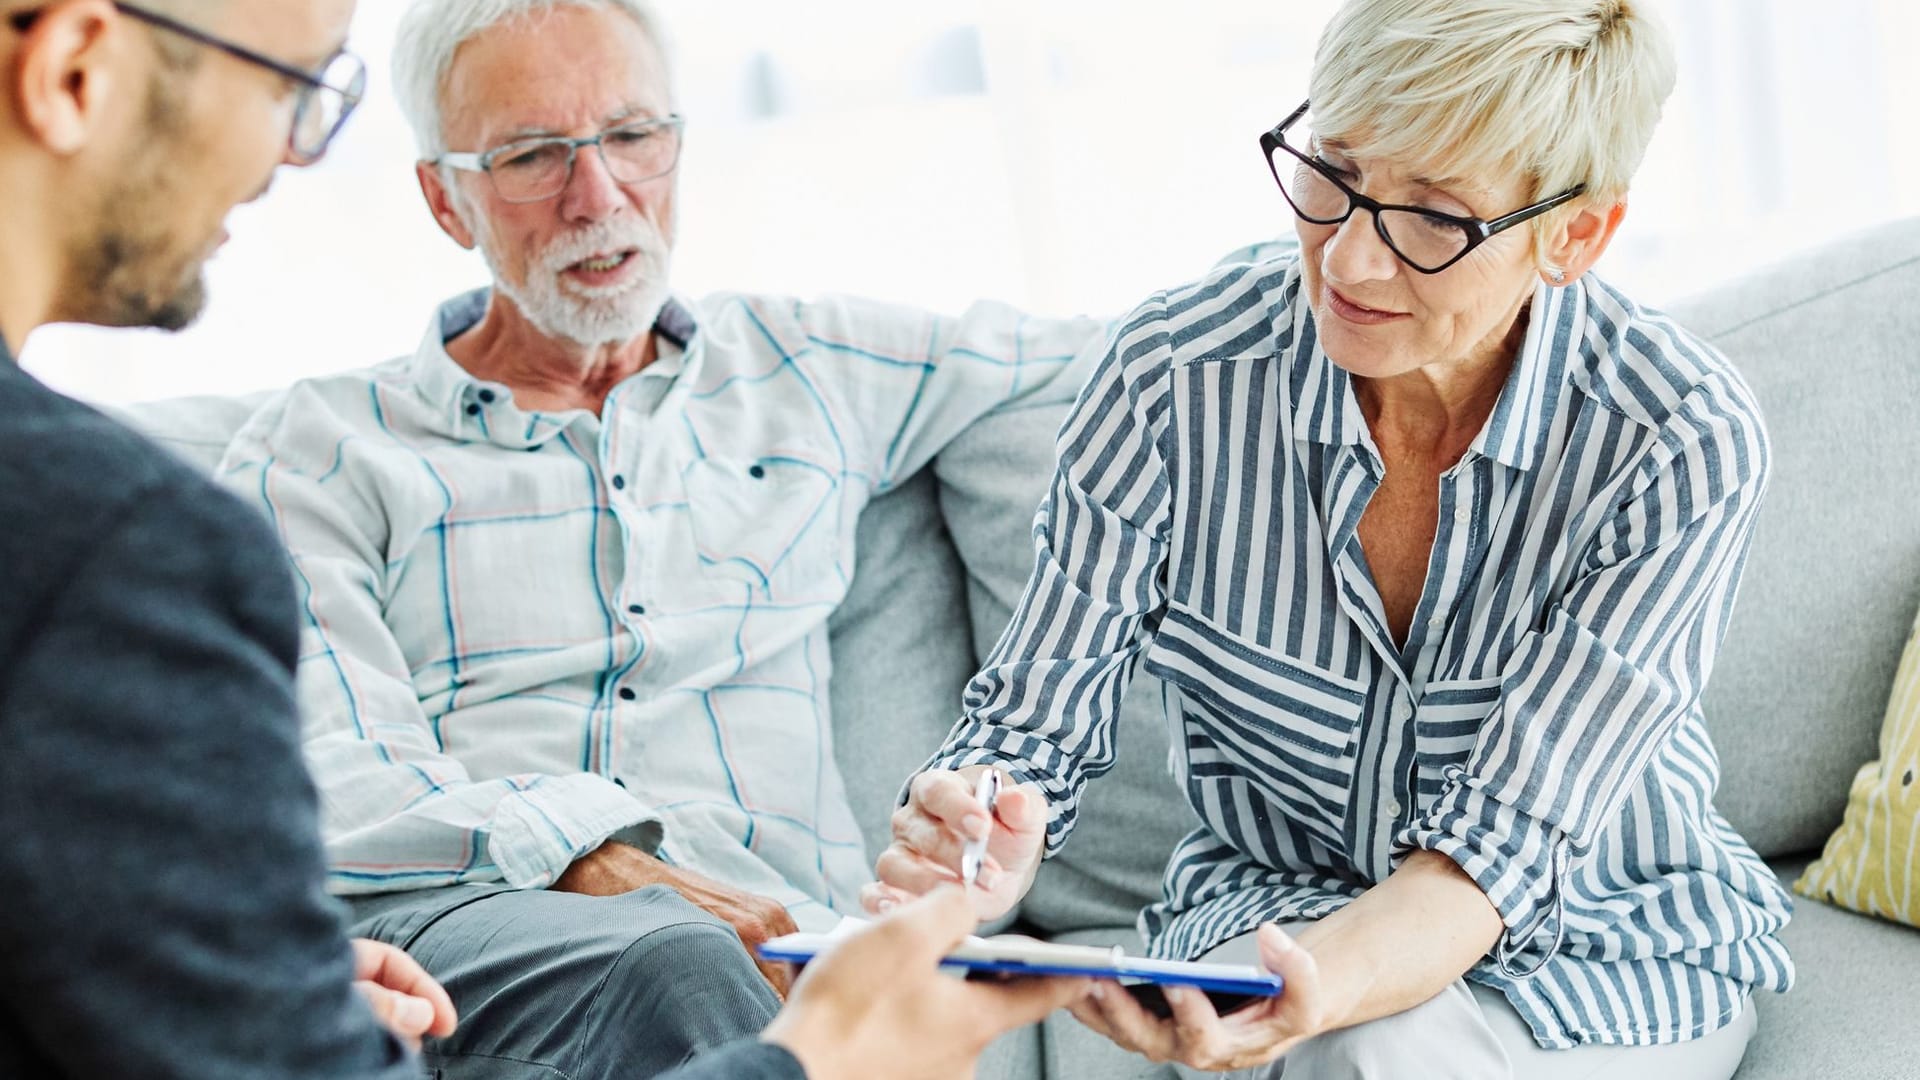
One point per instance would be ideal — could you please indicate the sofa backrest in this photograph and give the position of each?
(1830, 342)
(941, 563)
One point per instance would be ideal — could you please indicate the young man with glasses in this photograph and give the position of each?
(160, 904)
(162, 911)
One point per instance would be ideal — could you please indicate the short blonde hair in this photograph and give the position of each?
(1561, 92)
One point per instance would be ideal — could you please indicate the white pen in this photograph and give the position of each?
(971, 856)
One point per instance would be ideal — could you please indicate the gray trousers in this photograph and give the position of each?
(555, 986)
(1471, 1032)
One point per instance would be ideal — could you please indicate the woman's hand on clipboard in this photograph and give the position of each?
(1193, 1031)
(930, 835)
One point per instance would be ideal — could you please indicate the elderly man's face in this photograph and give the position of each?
(1378, 317)
(590, 264)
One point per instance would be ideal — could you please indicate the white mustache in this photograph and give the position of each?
(602, 239)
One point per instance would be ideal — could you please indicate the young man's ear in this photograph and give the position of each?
(1582, 238)
(63, 76)
(439, 196)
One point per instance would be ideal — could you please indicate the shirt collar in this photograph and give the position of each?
(481, 409)
(1516, 431)
(1327, 409)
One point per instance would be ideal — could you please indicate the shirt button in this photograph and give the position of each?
(627, 694)
(636, 609)
(1403, 709)
(473, 410)
(619, 483)
(1464, 514)
(758, 472)
(1393, 809)
(486, 396)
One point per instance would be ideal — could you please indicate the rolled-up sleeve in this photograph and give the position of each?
(1044, 704)
(1590, 696)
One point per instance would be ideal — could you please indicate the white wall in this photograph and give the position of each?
(1066, 155)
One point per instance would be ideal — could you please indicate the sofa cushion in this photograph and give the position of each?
(1827, 341)
(1074, 1051)
(1854, 1012)
(1017, 1055)
(196, 428)
(899, 648)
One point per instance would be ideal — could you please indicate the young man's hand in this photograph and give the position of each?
(878, 1005)
(405, 999)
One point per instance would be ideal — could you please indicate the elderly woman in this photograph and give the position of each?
(1432, 538)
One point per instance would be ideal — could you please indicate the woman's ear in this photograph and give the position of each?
(1579, 240)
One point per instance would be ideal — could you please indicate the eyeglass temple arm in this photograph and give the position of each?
(1535, 210)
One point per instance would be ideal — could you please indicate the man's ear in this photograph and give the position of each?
(1579, 241)
(63, 77)
(433, 185)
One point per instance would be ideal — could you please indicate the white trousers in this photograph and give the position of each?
(1471, 1032)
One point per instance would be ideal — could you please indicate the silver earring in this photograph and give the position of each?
(1559, 276)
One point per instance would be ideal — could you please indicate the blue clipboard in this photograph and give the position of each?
(1020, 956)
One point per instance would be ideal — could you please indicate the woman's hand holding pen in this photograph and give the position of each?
(930, 835)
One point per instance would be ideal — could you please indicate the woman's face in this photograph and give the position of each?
(1378, 317)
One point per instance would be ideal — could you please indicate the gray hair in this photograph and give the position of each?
(432, 31)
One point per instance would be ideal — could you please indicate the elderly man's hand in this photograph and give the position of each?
(613, 869)
(405, 999)
(877, 1004)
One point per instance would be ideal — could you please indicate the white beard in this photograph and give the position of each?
(590, 317)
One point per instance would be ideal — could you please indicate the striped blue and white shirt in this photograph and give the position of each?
(527, 632)
(1541, 723)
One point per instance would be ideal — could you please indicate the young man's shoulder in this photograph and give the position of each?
(73, 480)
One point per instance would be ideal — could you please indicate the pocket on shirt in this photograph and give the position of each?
(1259, 722)
(1446, 725)
(770, 522)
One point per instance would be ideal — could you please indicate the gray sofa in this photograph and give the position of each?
(1828, 343)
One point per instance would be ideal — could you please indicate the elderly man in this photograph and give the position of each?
(567, 567)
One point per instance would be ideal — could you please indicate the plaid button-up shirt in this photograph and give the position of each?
(527, 632)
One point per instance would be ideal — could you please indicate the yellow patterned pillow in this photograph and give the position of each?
(1872, 864)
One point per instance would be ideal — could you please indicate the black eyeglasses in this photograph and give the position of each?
(537, 169)
(1427, 240)
(327, 97)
